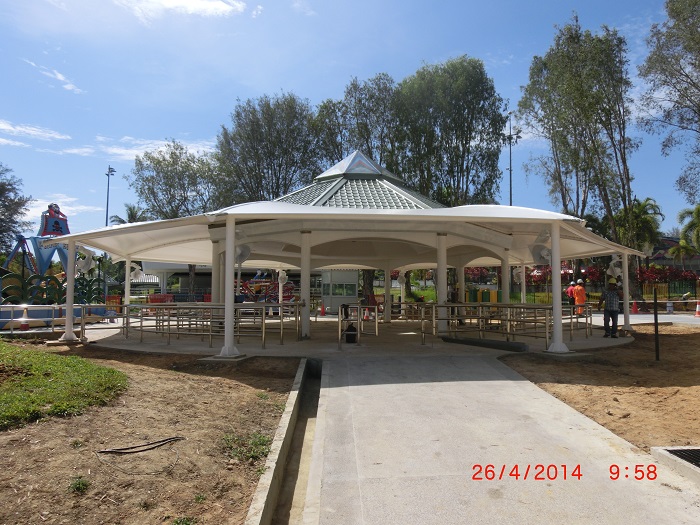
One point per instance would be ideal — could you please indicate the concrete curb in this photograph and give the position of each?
(685, 469)
(262, 507)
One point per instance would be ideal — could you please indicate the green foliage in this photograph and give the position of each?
(269, 149)
(35, 289)
(200, 498)
(173, 182)
(672, 101)
(578, 99)
(79, 485)
(45, 384)
(13, 206)
(250, 447)
(450, 132)
(185, 521)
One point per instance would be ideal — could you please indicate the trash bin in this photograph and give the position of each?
(493, 296)
(486, 296)
(473, 295)
(351, 334)
(669, 307)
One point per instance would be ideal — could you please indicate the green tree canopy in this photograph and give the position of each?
(577, 99)
(672, 100)
(13, 207)
(173, 182)
(133, 214)
(269, 150)
(451, 123)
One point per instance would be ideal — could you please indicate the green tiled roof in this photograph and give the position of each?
(359, 182)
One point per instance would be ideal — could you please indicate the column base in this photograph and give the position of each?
(558, 348)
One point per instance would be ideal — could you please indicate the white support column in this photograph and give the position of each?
(523, 285)
(229, 349)
(387, 295)
(305, 284)
(505, 277)
(127, 281)
(557, 344)
(69, 335)
(626, 292)
(215, 273)
(442, 279)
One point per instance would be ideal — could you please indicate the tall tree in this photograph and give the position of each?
(672, 70)
(452, 121)
(578, 99)
(332, 128)
(13, 207)
(372, 119)
(173, 182)
(690, 231)
(269, 150)
(640, 223)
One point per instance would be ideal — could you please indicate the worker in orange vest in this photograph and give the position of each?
(580, 296)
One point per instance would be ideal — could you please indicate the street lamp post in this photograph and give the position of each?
(512, 137)
(110, 173)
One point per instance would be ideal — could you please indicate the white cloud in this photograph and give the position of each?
(257, 11)
(8, 142)
(126, 148)
(303, 7)
(35, 132)
(52, 73)
(147, 10)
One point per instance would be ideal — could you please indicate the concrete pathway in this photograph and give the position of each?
(399, 440)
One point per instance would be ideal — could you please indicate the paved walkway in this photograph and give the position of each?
(399, 440)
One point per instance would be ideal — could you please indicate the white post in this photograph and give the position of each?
(505, 278)
(557, 344)
(626, 292)
(442, 280)
(305, 284)
(387, 295)
(229, 349)
(127, 280)
(215, 273)
(523, 285)
(69, 335)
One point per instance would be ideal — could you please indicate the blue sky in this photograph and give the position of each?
(88, 84)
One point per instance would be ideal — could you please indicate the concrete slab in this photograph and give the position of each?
(403, 438)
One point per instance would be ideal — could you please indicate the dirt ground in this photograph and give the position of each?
(168, 396)
(647, 402)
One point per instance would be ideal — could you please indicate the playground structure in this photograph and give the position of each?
(39, 288)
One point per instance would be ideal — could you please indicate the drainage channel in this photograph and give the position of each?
(290, 503)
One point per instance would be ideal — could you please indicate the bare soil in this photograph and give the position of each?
(168, 396)
(647, 402)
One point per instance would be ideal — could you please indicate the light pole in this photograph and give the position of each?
(512, 137)
(110, 173)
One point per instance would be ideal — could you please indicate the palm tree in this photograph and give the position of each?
(133, 214)
(682, 250)
(640, 223)
(691, 230)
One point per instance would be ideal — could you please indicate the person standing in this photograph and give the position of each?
(579, 296)
(611, 297)
(570, 292)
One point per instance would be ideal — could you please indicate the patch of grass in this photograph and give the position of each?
(251, 447)
(76, 444)
(52, 385)
(79, 485)
(185, 521)
(263, 395)
(200, 498)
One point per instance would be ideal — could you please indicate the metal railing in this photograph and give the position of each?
(360, 314)
(507, 320)
(207, 320)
